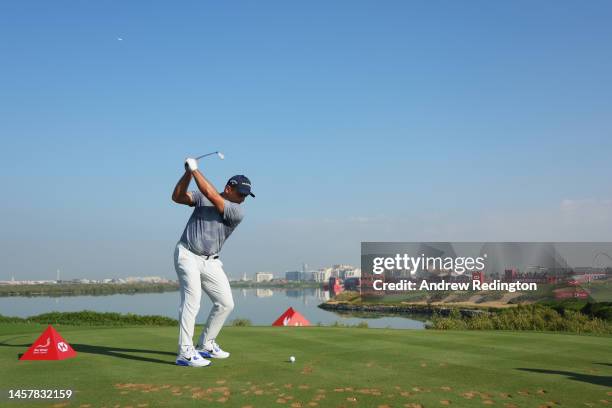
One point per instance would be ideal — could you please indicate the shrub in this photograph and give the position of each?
(241, 322)
(347, 296)
(360, 325)
(11, 319)
(451, 322)
(89, 318)
(527, 317)
(480, 322)
(602, 310)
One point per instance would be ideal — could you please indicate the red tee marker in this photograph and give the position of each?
(291, 318)
(49, 346)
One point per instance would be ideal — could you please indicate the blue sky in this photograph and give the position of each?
(355, 120)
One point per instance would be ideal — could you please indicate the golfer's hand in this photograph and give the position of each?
(191, 164)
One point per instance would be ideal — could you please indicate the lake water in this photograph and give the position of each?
(261, 306)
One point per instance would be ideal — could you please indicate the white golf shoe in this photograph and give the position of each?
(191, 358)
(212, 350)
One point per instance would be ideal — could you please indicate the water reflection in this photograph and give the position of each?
(263, 293)
(262, 306)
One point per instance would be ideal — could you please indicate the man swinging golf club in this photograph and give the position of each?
(196, 260)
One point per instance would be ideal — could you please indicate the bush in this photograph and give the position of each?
(602, 310)
(10, 319)
(360, 325)
(89, 318)
(528, 317)
(451, 322)
(95, 289)
(241, 322)
(604, 313)
(481, 322)
(347, 296)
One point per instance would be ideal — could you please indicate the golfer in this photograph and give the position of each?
(197, 263)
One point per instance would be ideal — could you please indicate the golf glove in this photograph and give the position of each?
(191, 164)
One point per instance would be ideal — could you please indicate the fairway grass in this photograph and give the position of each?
(335, 367)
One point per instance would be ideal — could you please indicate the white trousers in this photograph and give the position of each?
(194, 274)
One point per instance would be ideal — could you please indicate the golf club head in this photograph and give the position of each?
(221, 155)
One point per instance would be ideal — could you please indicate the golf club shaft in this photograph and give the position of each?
(204, 155)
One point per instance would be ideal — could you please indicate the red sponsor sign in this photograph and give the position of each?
(49, 346)
(291, 317)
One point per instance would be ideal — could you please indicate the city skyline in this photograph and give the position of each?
(276, 275)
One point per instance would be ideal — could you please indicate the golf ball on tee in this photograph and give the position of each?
(292, 359)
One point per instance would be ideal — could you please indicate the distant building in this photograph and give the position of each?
(344, 271)
(293, 276)
(145, 279)
(322, 275)
(299, 276)
(308, 276)
(352, 273)
(263, 277)
(340, 271)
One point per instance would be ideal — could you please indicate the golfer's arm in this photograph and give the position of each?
(209, 191)
(180, 194)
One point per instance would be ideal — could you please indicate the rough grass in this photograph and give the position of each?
(526, 317)
(335, 367)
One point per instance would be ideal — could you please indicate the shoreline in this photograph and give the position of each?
(108, 289)
(402, 309)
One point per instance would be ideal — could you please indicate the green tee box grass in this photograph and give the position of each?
(335, 367)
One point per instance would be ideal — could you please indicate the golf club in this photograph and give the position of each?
(221, 155)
